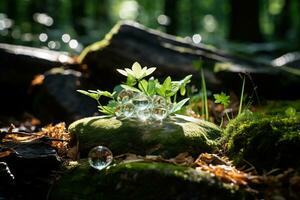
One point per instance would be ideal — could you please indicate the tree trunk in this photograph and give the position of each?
(244, 21)
(171, 10)
(282, 21)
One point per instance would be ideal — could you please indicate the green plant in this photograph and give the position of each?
(205, 112)
(142, 98)
(242, 96)
(223, 99)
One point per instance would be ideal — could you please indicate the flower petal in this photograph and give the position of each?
(129, 72)
(122, 72)
(150, 70)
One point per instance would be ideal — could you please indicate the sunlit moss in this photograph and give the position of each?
(266, 142)
(168, 138)
(101, 44)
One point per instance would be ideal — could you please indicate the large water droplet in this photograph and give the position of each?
(144, 114)
(125, 96)
(100, 157)
(159, 113)
(128, 109)
(141, 101)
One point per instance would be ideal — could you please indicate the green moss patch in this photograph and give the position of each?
(174, 136)
(267, 142)
(141, 180)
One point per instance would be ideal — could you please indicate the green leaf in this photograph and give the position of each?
(197, 64)
(290, 111)
(127, 87)
(152, 86)
(106, 110)
(182, 91)
(130, 80)
(143, 86)
(167, 83)
(178, 106)
(222, 98)
(106, 93)
(93, 95)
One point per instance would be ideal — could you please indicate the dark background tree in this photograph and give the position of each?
(218, 22)
(244, 21)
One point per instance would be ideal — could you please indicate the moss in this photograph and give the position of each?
(141, 180)
(279, 107)
(101, 44)
(265, 141)
(168, 139)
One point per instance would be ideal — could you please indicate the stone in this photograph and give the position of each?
(142, 180)
(169, 138)
(19, 64)
(56, 98)
(264, 141)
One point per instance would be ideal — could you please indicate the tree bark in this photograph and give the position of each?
(244, 21)
(171, 10)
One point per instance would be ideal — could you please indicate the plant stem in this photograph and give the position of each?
(227, 116)
(204, 95)
(175, 98)
(242, 97)
(221, 124)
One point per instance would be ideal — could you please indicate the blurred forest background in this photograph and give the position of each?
(271, 26)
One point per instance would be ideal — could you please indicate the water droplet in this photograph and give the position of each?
(159, 113)
(158, 101)
(100, 157)
(141, 101)
(144, 114)
(128, 109)
(125, 96)
(118, 111)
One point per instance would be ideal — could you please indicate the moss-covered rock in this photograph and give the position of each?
(173, 136)
(265, 141)
(142, 180)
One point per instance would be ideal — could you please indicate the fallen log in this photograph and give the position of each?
(128, 42)
(19, 65)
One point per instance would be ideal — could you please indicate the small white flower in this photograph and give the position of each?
(137, 71)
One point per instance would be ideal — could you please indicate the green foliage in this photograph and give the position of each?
(198, 66)
(96, 94)
(275, 137)
(242, 96)
(136, 83)
(222, 98)
(290, 111)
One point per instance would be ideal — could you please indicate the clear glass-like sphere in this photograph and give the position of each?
(128, 109)
(141, 101)
(159, 113)
(158, 101)
(100, 157)
(125, 96)
(144, 114)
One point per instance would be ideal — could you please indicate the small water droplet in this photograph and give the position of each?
(125, 96)
(158, 101)
(159, 113)
(128, 109)
(100, 157)
(118, 111)
(141, 101)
